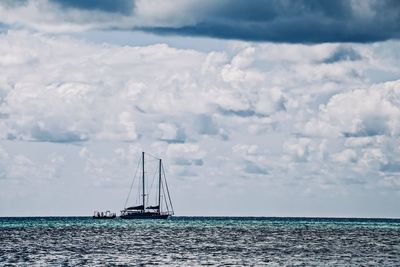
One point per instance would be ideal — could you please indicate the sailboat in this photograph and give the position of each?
(162, 209)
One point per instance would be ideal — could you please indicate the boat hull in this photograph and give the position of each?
(144, 216)
(104, 218)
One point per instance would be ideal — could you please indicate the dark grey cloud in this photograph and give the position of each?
(294, 21)
(286, 21)
(371, 125)
(240, 113)
(252, 168)
(391, 167)
(204, 124)
(343, 54)
(57, 135)
(120, 6)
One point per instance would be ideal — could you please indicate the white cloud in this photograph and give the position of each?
(218, 118)
(75, 91)
(299, 149)
(245, 149)
(362, 112)
(361, 141)
(19, 167)
(188, 150)
(270, 101)
(169, 131)
(345, 156)
(113, 169)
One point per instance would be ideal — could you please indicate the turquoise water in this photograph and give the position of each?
(199, 241)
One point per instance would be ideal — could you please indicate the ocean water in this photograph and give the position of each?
(193, 241)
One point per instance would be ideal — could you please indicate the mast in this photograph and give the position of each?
(159, 188)
(143, 182)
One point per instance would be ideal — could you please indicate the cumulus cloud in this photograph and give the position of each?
(95, 92)
(287, 21)
(72, 95)
(110, 170)
(345, 156)
(171, 133)
(298, 148)
(19, 167)
(361, 113)
(186, 153)
(309, 116)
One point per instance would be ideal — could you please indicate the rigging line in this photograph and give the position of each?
(151, 155)
(166, 185)
(165, 199)
(151, 186)
(151, 160)
(133, 180)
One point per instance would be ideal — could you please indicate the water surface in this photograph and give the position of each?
(200, 240)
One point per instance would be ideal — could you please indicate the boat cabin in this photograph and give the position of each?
(104, 215)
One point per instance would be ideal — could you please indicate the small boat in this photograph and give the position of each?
(104, 215)
(162, 208)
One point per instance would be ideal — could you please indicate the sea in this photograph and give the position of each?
(196, 241)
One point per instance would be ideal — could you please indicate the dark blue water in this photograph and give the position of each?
(199, 241)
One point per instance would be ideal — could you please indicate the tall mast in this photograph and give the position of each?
(143, 182)
(159, 187)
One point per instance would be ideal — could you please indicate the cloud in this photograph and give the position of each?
(361, 113)
(205, 124)
(293, 21)
(299, 148)
(88, 92)
(249, 112)
(253, 160)
(121, 6)
(345, 156)
(72, 95)
(112, 169)
(343, 53)
(308, 121)
(19, 167)
(391, 167)
(186, 151)
(4, 157)
(252, 168)
(171, 133)
(287, 21)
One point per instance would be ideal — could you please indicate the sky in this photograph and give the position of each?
(258, 108)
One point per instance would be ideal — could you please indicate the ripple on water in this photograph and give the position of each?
(197, 241)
